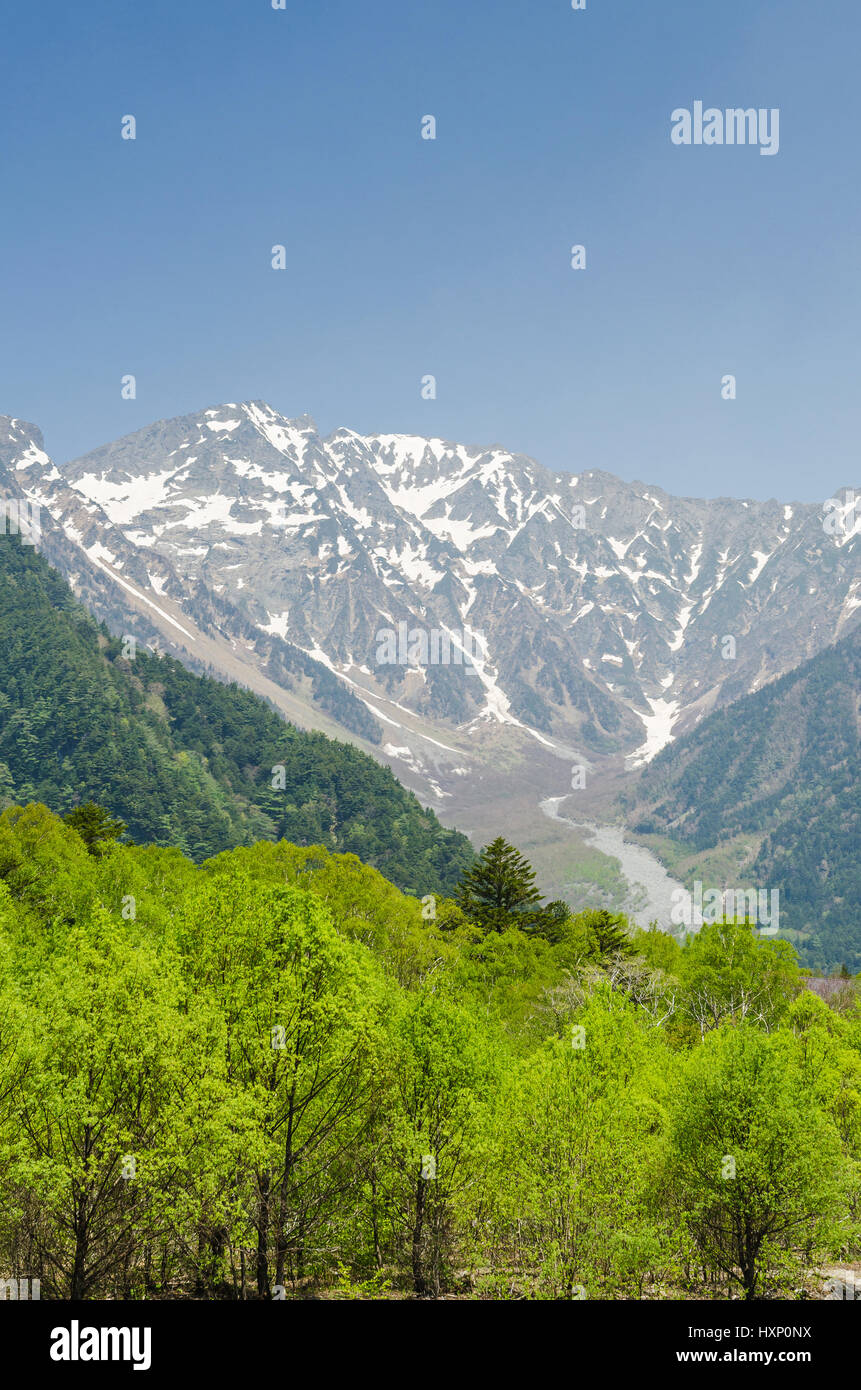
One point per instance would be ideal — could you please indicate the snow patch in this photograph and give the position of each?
(659, 730)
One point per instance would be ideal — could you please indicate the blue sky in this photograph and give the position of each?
(451, 257)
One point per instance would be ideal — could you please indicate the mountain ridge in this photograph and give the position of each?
(597, 607)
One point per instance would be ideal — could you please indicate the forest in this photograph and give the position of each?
(779, 770)
(274, 1075)
(185, 760)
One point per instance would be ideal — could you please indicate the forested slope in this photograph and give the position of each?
(185, 760)
(781, 765)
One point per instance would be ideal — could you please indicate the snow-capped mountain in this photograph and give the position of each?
(600, 618)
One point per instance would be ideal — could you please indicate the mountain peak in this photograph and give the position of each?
(599, 609)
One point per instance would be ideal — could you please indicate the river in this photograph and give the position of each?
(650, 886)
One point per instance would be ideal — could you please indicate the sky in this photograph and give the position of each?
(408, 258)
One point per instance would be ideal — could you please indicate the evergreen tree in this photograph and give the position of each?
(95, 826)
(499, 890)
(607, 935)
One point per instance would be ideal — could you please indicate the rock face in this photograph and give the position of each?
(598, 618)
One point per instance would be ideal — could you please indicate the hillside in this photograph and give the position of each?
(182, 759)
(594, 608)
(774, 781)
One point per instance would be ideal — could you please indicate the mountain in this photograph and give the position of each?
(597, 608)
(125, 587)
(342, 578)
(185, 760)
(772, 786)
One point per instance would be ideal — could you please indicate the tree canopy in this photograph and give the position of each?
(274, 1073)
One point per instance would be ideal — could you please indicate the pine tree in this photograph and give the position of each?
(499, 890)
(607, 934)
(94, 825)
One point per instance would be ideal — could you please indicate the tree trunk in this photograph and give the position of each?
(199, 1286)
(284, 1192)
(263, 1289)
(79, 1285)
(419, 1282)
(749, 1274)
(281, 1242)
(82, 1240)
(378, 1253)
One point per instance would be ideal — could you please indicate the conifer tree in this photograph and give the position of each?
(607, 934)
(499, 890)
(95, 826)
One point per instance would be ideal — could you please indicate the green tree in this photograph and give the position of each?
(300, 1015)
(442, 1073)
(97, 1150)
(96, 827)
(759, 1178)
(499, 891)
(571, 1202)
(728, 971)
(607, 934)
